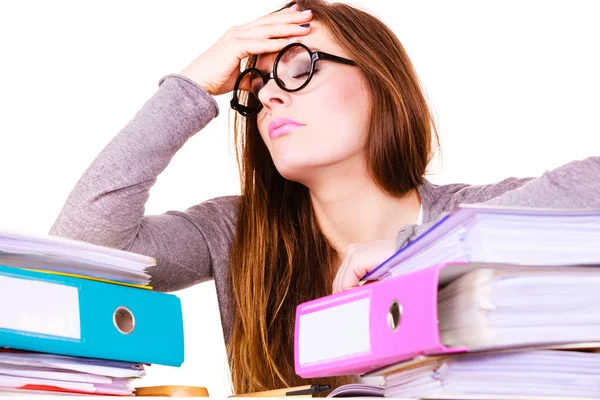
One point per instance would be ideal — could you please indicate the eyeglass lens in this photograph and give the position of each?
(293, 70)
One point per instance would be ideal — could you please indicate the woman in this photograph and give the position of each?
(333, 136)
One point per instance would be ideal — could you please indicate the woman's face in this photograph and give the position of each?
(332, 114)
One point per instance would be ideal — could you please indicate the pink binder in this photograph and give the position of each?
(371, 326)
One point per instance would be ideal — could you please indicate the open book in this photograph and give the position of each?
(357, 390)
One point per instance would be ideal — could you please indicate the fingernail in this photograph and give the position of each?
(306, 11)
(293, 39)
(293, 6)
(305, 25)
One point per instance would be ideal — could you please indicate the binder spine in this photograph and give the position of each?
(79, 317)
(402, 324)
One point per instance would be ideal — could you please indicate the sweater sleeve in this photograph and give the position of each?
(106, 206)
(571, 186)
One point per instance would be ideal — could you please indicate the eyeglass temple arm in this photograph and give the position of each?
(330, 57)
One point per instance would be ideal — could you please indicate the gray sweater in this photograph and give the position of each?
(106, 207)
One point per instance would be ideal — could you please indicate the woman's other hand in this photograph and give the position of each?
(361, 258)
(217, 68)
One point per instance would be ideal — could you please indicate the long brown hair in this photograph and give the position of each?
(280, 257)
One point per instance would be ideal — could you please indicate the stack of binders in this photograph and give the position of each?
(79, 318)
(491, 302)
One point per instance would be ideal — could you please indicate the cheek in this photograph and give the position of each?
(336, 114)
(341, 96)
(343, 108)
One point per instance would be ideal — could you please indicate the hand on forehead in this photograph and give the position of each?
(317, 40)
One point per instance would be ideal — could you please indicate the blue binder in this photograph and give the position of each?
(79, 317)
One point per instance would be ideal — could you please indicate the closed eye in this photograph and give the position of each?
(305, 74)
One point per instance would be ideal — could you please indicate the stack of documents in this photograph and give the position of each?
(79, 318)
(37, 372)
(495, 307)
(522, 236)
(542, 373)
(58, 254)
(483, 283)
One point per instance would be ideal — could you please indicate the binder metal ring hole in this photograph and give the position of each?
(394, 316)
(124, 320)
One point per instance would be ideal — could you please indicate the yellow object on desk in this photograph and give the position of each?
(172, 391)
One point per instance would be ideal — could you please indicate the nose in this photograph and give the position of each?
(272, 95)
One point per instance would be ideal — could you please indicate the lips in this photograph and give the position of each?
(279, 126)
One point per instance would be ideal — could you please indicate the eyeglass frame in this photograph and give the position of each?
(314, 57)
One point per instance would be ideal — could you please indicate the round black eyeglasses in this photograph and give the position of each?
(293, 69)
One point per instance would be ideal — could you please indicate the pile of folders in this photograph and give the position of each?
(490, 302)
(80, 319)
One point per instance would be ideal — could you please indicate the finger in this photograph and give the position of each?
(275, 31)
(349, 280)
(340, 274)
(283, 17)
(260, 46)
(293, 7)
(353, 276)
(350, 258)
(337, 277)
(335, 280)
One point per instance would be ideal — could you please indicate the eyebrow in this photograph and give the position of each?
(313, 49)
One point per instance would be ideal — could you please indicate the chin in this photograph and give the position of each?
(303, 171)
(294, 171)
(303, 165)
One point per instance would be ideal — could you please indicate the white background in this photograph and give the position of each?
(514, 85)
